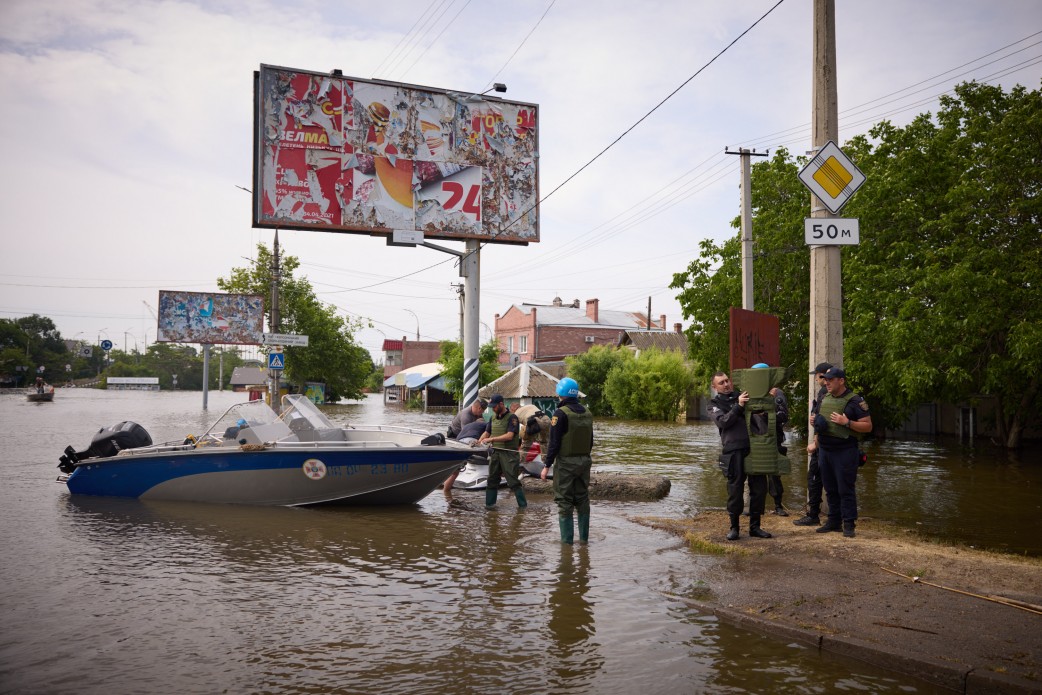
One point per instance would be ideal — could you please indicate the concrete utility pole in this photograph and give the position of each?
(747, 224)
(826, 292)
(470, 269)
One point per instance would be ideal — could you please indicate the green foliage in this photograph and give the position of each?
(375, 381)
(940, 299)
(652, 386)
(451, 361)
(331, 356)
(591, 370)
(29, 342)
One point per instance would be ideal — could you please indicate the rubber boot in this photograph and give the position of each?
(732, 535)
(490, 497)
(584, 528)
(754, 527)
(567, 529)
(519, 493)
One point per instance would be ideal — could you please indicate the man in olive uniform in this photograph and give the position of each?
(842, 416)
(571, 441)
(813, 515)
(503, 433)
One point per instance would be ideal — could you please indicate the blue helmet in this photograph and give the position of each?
(760, 365)
(568, 387)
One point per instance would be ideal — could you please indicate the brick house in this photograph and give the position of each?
(551, 332)
(405, 353)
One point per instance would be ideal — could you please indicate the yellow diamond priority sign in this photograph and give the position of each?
(832, 177)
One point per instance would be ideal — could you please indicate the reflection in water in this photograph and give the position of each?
(571, 651)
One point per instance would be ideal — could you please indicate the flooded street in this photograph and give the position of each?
(117, 596)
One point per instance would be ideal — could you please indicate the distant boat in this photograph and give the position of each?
(253, 456)
(43, 393)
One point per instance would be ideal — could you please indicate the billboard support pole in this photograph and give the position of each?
(206, 373)
(470, 269)
(275, 319)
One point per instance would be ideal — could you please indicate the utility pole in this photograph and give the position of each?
(747, 224)
(826, 292)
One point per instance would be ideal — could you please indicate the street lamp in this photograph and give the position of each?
(417, 323)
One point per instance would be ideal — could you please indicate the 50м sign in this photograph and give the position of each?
(822, 231)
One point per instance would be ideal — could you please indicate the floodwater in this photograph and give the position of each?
(119, 596)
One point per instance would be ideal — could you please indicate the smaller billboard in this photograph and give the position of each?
(210, 318)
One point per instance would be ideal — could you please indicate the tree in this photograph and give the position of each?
(451, 361)
(30, 342)
(652, 386)
(331, 356)
(591, 370)
(940, 300)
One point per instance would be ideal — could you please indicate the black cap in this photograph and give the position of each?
(835, 373)
(822, 368)
(496, 398)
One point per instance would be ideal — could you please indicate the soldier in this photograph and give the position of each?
(504, 431)
(571, 441)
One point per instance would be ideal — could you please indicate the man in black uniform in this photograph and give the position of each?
(813, 515)
(842, 416)
(571, 441)
(727, 409)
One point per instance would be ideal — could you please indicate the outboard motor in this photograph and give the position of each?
(109, 441)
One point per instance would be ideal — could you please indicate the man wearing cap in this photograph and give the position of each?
(467, 416)
(503, 434)
(841, 419)
(813, 515)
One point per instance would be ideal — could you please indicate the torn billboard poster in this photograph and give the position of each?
(338, 153)
(210, 318)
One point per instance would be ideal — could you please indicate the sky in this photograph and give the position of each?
(128, 138)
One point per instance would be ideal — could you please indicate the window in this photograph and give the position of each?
(510, 344)
(522, 344)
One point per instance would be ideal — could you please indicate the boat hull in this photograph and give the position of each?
(40, 397)
(273, 476)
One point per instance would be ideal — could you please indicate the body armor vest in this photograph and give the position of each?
(576, 441)
(761, 420)
(499, 428)
(831, 404)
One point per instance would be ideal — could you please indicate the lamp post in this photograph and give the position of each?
(417, 323)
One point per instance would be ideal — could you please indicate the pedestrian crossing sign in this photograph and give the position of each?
(832, 177)
(276, 360)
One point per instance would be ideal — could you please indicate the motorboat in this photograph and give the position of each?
(40, 394)
(251, 455)
(474, 473)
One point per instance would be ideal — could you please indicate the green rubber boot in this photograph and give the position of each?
(519, 493)
(584, 528)
(490, 496)
(567, 529)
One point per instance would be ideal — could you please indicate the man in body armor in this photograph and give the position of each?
(727, 408)
(571, 441)
(503, 433)
(813, 515)
(842, 417)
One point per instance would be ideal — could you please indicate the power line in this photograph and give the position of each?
(489, 84)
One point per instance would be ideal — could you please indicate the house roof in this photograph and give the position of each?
(392, 345)
(573, 316)
(416, 377)
(661, 340)
(523, 381)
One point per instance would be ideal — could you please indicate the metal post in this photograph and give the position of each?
(275, 320)
(470, 269)
(206, 374)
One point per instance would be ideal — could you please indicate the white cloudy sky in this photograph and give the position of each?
(127, 130)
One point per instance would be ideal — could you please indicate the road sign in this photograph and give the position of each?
(106, 345)
(832, 231)
(832, 177)
(86, 351)
(276, 360)
(289, 339)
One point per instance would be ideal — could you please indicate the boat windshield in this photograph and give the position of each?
(298, 409)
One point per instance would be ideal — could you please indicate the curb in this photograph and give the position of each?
(971, 681)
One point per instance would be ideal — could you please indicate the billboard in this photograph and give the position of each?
(201, 317)
(342, 154)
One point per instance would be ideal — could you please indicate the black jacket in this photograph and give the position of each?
(730, 420)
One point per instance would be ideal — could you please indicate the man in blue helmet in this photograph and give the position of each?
(571, 441)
